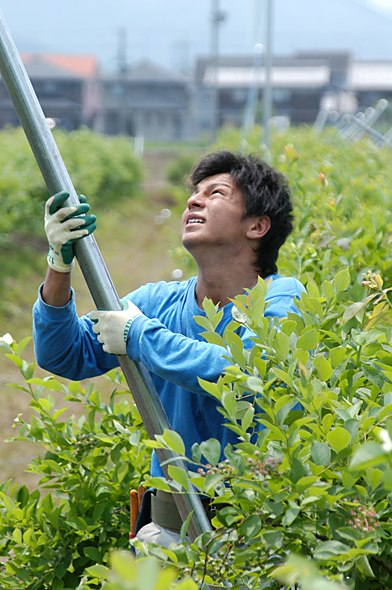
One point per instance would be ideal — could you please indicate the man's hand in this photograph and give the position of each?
(112, 327)
(63, 227)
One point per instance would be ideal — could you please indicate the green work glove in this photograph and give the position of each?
(112, 327)
(63, 227)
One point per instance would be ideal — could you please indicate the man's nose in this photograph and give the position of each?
(196, 199)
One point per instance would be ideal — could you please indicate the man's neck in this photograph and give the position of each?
(222, 284)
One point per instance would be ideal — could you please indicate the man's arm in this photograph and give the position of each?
(56, 290)
(63, 227)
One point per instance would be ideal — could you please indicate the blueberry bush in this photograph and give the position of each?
(304, 500)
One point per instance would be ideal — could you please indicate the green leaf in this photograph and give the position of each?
(284, 376)
(93, 553)
(323, 367)
(5, 346)
(98, 571)
(283, 412)
(308, 340)
(305, 482)
(329, 549)
(17, 535)
(57, 584)
(341, 280)
(211, 450)
(282, 345)
(250, 527)
(290, 515)
(159, 483)
(364, 566)
(184, 527)
(339, 438)
(212, 480)
(352, 311)
(255, 384)
(211, 388)
(121, 471)
(374, 375)
(368, 455)
(50, 383)
(174, 441)
(178, 475)
(321, 453)
(214, 338)
(247, 418)
(229, 402)
(327, 290)
(337, 355)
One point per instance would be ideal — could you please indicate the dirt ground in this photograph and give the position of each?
(135, 250)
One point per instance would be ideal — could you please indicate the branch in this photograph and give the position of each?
(384, 564)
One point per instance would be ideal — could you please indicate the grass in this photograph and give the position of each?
(135, 249)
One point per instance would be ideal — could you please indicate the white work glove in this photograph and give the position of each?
(112, 327)
(63, 227)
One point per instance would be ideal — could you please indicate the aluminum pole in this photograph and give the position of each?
(267, 90)
(90, 260)
(248, 119)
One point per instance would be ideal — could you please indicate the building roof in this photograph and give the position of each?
(338, 60)
(147, 71)
(370, 75)
(52, 65)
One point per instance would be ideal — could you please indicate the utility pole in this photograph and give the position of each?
(122, 66)
(217, 18)
(267, 90)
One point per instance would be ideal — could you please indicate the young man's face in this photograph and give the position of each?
(214, 215)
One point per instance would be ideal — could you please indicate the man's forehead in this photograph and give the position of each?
(223, 178)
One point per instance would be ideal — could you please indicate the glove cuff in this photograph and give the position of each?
(55, 261)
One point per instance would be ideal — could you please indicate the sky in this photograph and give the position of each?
(173, 33)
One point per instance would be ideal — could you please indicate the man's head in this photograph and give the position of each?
(265, 192)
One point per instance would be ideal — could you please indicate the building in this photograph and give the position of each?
(150, 102)
(302, 86)
(147, 101)
(298, 84)
(66, 85)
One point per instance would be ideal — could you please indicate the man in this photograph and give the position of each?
(236, 219)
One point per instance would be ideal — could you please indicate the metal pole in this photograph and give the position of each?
(214, 64)
(90, 260)
(267, 91)
(250, 107)
(217, 18)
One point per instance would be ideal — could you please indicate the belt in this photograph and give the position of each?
(164, 511)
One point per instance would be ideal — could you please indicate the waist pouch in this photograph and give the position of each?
(159, 506)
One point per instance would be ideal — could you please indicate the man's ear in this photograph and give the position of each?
(259, 227)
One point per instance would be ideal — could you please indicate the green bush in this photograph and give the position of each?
(308, 499)
(87, 472)
(317, 480)
(342, 196)
(179, 171)
(102, 168)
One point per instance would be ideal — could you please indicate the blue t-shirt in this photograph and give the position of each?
(167, 340)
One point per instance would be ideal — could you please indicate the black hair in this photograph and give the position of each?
(265, 192)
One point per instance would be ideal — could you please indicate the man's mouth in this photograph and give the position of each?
(194, 220)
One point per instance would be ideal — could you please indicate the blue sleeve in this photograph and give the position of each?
(182, 360)
(65, 344)
(281, 297)
(175, 357)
